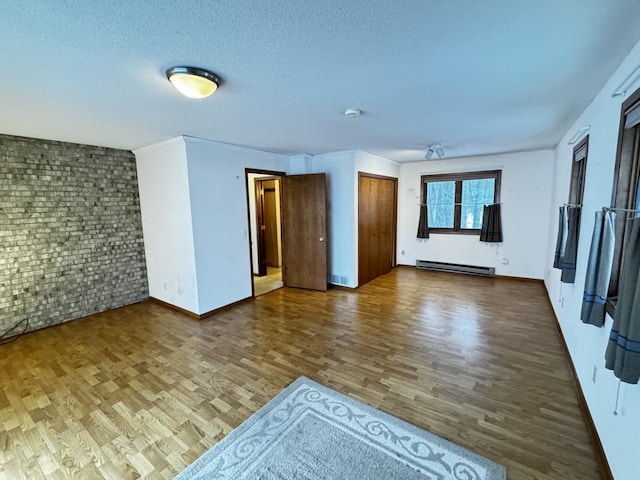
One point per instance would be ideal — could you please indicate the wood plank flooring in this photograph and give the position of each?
(142, 391)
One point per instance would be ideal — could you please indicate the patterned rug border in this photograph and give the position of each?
(494, 470)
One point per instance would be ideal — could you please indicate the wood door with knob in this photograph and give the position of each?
(304, 200)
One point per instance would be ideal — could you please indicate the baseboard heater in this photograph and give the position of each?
(455, 268)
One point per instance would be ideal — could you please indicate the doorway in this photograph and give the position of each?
(264, 189)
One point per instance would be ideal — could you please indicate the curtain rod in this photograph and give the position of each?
(473, 203)
(612, 209)
(606, 209)
(469, 169)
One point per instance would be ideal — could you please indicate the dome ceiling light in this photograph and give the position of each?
(193, 82)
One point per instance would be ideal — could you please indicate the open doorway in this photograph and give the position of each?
(265, 199)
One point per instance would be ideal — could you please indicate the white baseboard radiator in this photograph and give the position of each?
(455, 268)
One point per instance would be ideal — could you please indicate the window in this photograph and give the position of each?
(578, 171)
(455, 201)
(625, 185)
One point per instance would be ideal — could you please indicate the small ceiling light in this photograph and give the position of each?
(434, 150)
(193, 82)
(352, 112)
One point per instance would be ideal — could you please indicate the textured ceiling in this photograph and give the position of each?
(477, 76)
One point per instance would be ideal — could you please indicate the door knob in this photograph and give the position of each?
(322, 239)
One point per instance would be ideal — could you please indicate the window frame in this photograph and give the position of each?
(578, 172)
(458, 178)
(626, 174)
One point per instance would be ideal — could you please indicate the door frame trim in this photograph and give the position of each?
(274, 173)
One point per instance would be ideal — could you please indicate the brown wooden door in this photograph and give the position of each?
(377, 197)
(304, 201)
(270, 219)
(262, 263)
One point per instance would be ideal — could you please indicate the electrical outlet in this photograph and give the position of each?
(505, 261)
(595, 371)
(402, 252)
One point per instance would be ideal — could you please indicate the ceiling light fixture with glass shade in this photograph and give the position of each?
(193, 82)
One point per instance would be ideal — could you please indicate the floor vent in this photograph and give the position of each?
(456, 268)
(339, 280)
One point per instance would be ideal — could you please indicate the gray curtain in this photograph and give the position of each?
(571, 247)
(596, 283)
(423, 222)
(491, 224)
(562, 238)
(623, 350)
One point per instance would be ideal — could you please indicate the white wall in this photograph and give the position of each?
(166, 222)
(525, 196)
(301, 164)
(220, 222)
(194, 216)
(586, 343)
(339, 168)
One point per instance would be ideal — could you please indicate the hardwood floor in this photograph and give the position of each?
(142, 391)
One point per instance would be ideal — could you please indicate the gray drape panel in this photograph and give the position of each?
(571, 248)
(623, 350)
(491, 224)
(596, 283)
(562, 238)
(423, 222)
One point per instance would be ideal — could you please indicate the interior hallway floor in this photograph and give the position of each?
(142, 391)
(269, 282)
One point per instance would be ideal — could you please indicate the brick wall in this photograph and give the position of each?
(70, 231)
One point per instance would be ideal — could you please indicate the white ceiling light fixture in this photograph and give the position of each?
(193, 82)
(352, 112)
(434, 150)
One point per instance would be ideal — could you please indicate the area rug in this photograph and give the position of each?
(310, 432)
